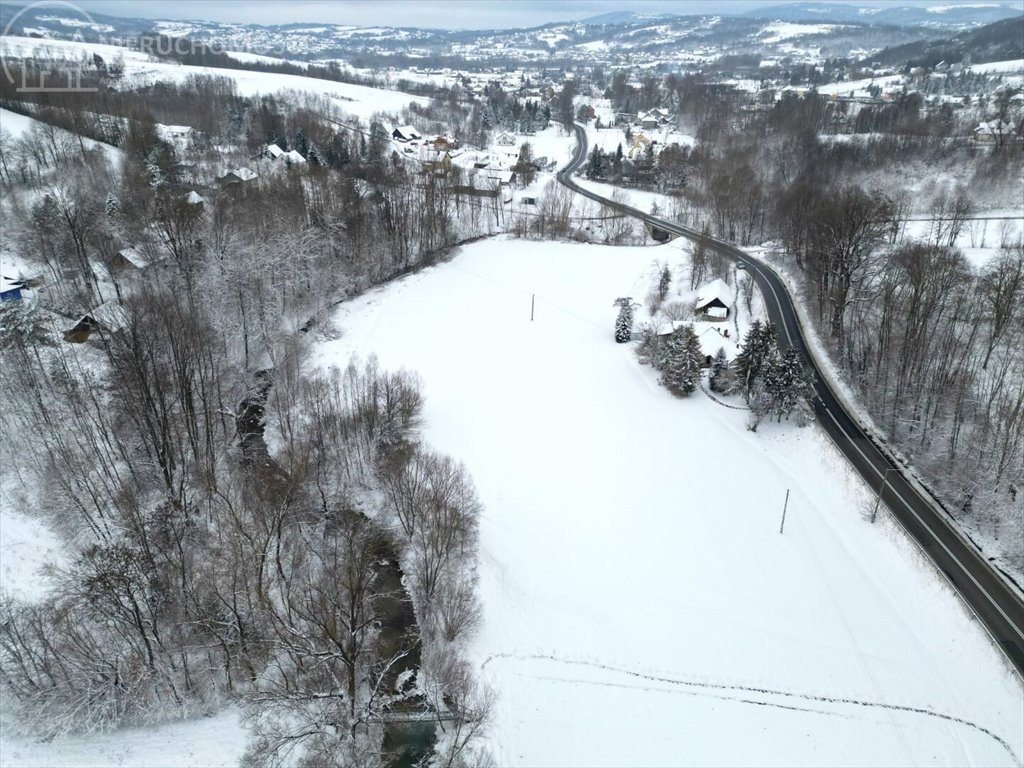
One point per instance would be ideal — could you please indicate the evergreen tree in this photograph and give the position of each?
(314, 156)
(720, 372)
(664, 279)
(624, 322)
(682, 371)
(794, 388)
(112, 207)
(774, 382)
(301, 142)
(377, 145)
(595, 169)
(758, 344)
(487, 118)
(617, 163)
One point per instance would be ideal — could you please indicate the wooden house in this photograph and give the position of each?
(106, 318)
(713, 301)
(128, 260)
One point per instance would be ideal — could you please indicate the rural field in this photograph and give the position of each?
(634, 581)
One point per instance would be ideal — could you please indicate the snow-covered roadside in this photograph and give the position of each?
(629, 536)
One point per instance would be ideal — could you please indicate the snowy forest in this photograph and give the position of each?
(246, 528)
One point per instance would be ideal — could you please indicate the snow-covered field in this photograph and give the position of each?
(358, 100)
(981, 238)
(209, 742)
(859, 87)
(998, 67)
(641, 606)
(18, 125)
(785, 30)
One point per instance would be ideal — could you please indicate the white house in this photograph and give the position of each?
(506, 139)
(994, 132)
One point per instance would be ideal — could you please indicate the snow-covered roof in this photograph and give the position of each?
(244, 174)
(170, 132)
(9, 284)
(134, 257)
(292, 156)
(505, 177)
(273, 151)
(194, 198)
(407, 132)
(716, 289)
(711, 340)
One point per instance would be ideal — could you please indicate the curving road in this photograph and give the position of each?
(992, 599)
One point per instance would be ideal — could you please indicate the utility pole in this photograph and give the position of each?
(785, 504)
(878, 501)
(533, 298)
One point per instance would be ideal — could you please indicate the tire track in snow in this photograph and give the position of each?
(700, 694)
(763, 691)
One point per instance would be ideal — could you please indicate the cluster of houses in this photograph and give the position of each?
(280, 158)
(489, 174)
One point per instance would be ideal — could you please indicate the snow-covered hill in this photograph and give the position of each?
(139, 67)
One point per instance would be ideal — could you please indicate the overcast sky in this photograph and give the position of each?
(448, 14)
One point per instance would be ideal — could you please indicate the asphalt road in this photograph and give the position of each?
(987, 593)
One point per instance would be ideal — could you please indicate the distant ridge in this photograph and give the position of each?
(624, 17)
(942, 14)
